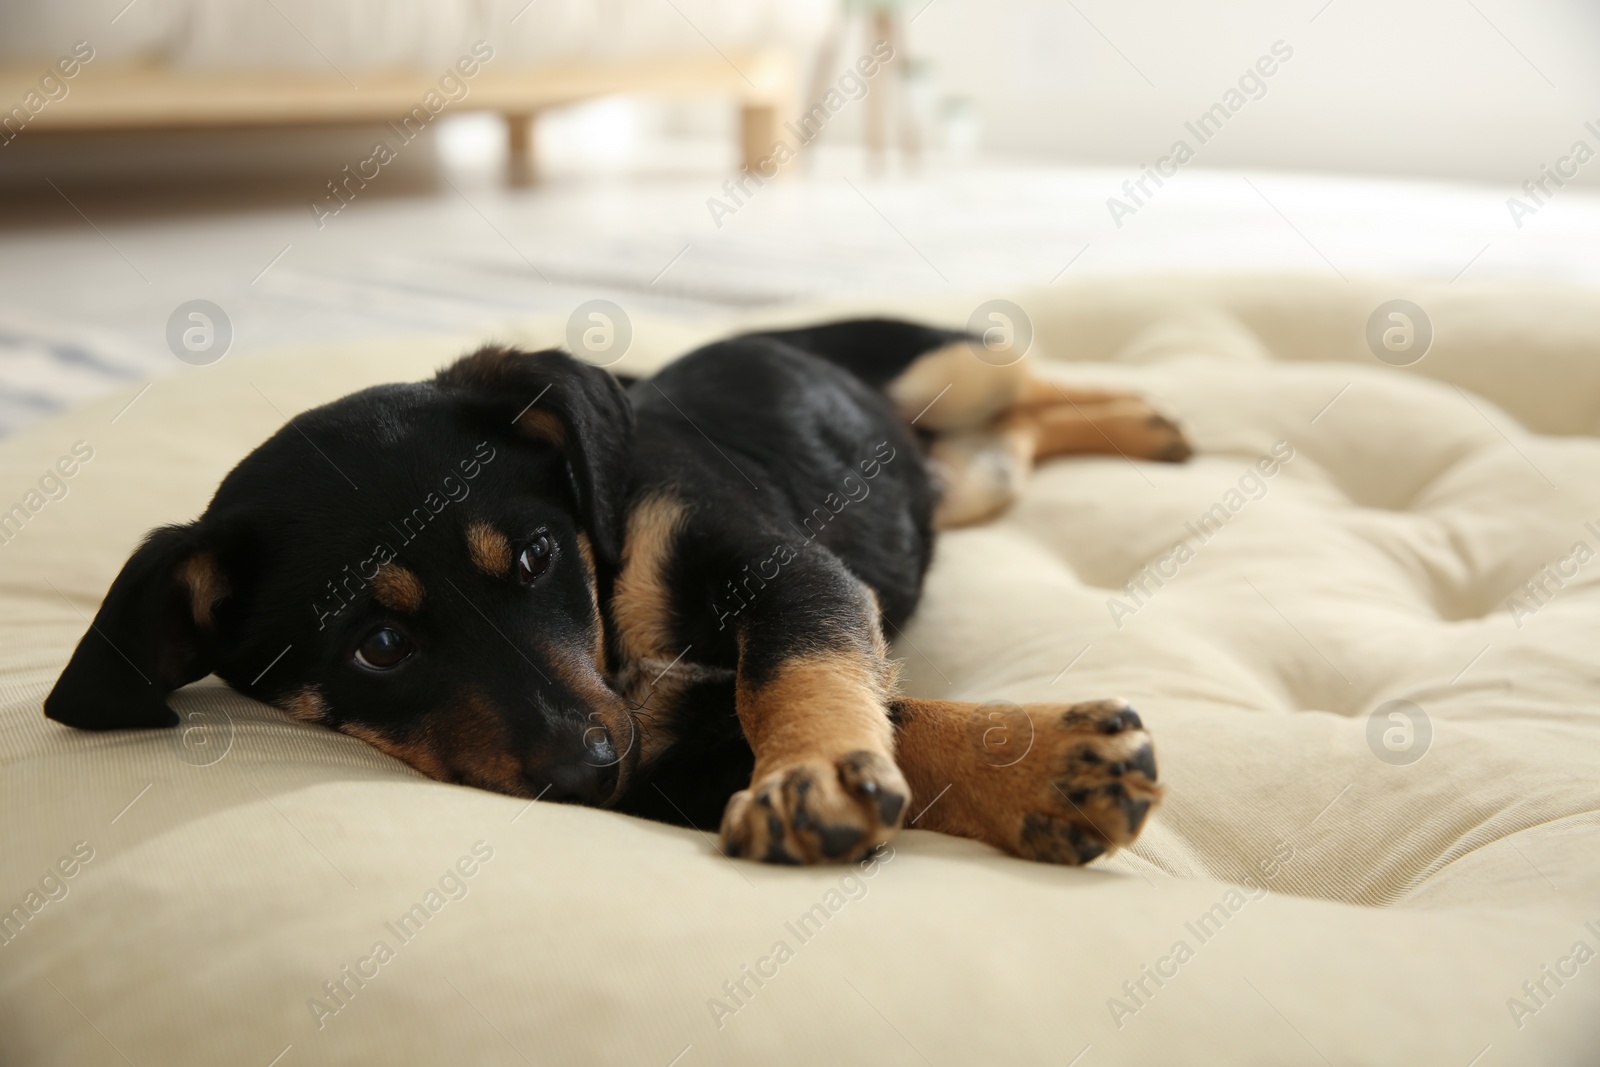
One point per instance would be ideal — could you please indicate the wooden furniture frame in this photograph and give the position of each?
(121, 98)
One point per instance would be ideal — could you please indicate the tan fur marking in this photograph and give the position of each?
(1043, 392)
(471, 739)
(465, 742)
(825, 785)
(305, 705)
(981, 472)
(489, 549)
(586, 551)
(934, 747)
(417, 756)
(815, 707)
(1127, 426)
(397, 589)
(605, 706)
(641, 606)
(577, 671)
(543, 426)
(202, 574)
(950, 388)
(995, 764)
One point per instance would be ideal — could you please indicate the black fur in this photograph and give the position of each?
(780, 443)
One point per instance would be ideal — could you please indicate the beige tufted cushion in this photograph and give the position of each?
(1390, 910)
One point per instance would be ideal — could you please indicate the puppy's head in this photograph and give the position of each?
(416, 565)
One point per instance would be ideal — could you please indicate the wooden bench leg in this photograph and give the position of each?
(759, 130)
(521, 164)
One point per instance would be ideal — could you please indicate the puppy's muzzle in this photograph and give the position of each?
(581, 768)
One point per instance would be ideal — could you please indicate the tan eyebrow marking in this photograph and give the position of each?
(397, 588)
(489, 548)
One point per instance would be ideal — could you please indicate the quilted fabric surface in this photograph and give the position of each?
(1361, 625)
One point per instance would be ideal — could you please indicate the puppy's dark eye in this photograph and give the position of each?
(384, 649)
(534, 559)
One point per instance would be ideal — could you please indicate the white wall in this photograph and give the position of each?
(1412, 87)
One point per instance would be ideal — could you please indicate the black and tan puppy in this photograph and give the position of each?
(665, 600)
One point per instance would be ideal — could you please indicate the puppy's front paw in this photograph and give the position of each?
(817, 810)
(1083, 787)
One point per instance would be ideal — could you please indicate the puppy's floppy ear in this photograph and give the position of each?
(150, 636)
(579, 408)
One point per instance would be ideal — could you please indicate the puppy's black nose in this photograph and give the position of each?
(578, 783)
(585, 772)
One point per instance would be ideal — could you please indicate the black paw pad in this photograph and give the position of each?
(837, 840)
(1125, 719)
(1135, 811)
(1086, 848)
(796, 787)
(776, 853)
(860, 771)
(1045, 837)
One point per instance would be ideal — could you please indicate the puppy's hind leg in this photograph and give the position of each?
(1116, 424)
(960, 400)
(950, 389)
(990, 424)
(979, 472)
